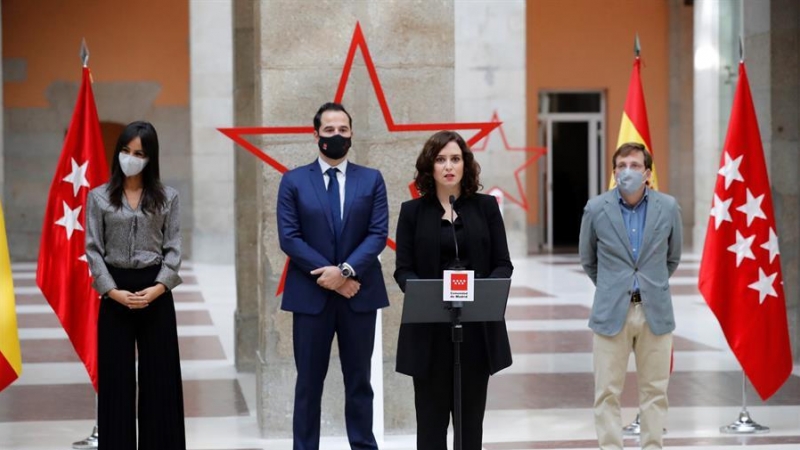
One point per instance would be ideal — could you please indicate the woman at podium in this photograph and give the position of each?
(450, 226)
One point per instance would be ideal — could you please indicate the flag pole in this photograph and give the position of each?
(634, 428)
(744, 424)
(90, 442)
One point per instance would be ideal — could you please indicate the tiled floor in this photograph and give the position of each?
(542, 402)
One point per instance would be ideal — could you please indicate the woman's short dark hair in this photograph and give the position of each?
(423, 180)
(153, 196)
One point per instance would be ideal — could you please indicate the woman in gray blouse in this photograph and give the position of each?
(133, 246)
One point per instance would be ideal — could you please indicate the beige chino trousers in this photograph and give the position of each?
(611, 354)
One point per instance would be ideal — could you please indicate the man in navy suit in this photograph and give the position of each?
(333, 221)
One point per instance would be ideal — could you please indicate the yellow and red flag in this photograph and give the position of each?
(634, 126)
(10, 357)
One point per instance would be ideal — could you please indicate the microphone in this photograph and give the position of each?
(456, 265)
(455, 307)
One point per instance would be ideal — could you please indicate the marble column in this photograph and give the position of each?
(707, 141)
(211, 104)
(2, 153)
(772, 37)
(490, 77)
(681, 114)
(247, 190)
(299, 52)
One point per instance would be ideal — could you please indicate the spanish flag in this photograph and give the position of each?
(10, 357)
(634, 126)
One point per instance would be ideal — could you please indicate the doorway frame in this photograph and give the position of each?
(596, 151)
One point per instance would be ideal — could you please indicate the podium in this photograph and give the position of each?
(423, 303)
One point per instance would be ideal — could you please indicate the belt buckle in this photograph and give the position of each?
(636, 297)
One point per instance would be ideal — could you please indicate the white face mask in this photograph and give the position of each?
(131, 165)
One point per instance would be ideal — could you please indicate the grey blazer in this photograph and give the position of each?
(607, 258)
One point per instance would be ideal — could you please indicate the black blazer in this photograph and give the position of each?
(419, 256)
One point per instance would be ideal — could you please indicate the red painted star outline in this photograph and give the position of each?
(538, 152)
(237, 134)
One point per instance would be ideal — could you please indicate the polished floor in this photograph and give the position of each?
(542, 402)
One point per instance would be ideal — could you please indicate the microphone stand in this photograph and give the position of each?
(457, 337)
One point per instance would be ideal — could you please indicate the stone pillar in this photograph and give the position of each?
(490, 76)
(2, 153)
(299, 54)
(211, 102)
(707, 142)
(247, 178)
(681, 118)
(772, 36)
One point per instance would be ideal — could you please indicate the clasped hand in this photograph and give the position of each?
(138, 299)
(330, 277)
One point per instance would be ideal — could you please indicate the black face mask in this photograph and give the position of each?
(334, 147)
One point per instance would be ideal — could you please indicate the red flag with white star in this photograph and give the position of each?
(62, 272)
(740, 273)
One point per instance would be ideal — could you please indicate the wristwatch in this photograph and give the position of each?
(347, 272)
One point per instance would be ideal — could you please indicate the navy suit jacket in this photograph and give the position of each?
(305, 230)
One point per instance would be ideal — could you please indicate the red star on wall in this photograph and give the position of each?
(522, 199)
(237, 134)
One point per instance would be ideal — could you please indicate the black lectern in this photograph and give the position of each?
(423, 304)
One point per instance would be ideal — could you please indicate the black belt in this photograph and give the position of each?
(636, 297)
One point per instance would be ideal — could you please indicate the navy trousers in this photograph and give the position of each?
(313, 336)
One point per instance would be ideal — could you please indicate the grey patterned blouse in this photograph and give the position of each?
(130, 239)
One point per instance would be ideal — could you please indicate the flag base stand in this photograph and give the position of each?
(88, 443)
(744, 425)
(635, 428)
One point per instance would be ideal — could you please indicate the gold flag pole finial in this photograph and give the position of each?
(637, 48)
(84, 53)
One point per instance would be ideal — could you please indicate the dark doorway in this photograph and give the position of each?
(570, 181)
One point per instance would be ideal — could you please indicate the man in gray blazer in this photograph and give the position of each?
(630, 244)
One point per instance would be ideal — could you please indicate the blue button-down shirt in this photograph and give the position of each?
(634, 219)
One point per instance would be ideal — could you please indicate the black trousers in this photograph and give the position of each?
(153, 332)
(433, 394)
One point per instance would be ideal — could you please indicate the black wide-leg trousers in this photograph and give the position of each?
(152, 333)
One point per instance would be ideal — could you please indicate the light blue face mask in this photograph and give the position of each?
(629, 180)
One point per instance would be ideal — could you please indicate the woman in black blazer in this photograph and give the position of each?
(425, 247)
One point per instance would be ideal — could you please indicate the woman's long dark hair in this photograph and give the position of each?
(423, 180)
(153, 196)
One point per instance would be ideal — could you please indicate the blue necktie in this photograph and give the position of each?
(333, 200)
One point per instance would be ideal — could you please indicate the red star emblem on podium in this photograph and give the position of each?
(358, 42)
(538, 152)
